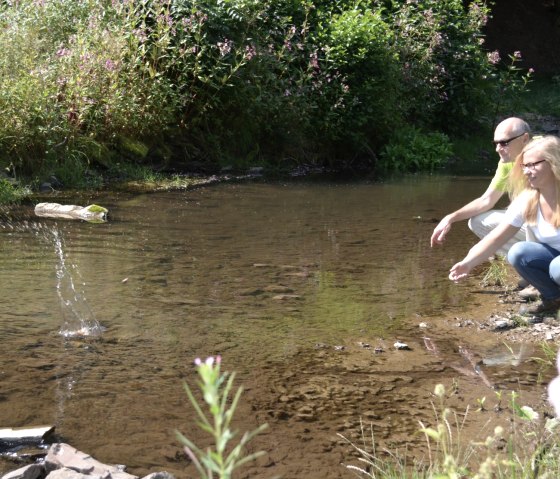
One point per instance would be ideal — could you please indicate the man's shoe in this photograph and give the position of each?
(541, 308)
(530, 293)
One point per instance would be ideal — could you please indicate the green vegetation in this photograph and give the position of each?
(527, 448)
(497, 273)
(221, 460)
(11, 193)
(411, 150)
(89, 86)
(542, 96)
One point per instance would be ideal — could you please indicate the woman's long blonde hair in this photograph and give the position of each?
(549, 150)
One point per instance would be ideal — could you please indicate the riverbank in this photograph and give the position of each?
(500, 317)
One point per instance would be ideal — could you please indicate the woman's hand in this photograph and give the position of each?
(459, 271)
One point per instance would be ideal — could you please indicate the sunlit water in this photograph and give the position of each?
(100, 323)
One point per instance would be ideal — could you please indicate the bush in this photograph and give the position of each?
(238, 81)
(411, 150)
(10, 193)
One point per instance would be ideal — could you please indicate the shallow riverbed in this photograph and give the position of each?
(303, 288)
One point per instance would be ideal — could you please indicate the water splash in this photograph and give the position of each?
(78, 318)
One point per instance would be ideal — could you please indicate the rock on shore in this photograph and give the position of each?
(66, 462)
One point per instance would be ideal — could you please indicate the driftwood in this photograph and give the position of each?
(11, 437)
(91, 213)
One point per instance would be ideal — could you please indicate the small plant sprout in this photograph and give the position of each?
(218, 461)
(498, 406)
(480, 402)
(454, 387)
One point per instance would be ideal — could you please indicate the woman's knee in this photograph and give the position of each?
(517, 253)
(554, 270)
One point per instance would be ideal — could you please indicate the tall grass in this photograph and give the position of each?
(529, 448)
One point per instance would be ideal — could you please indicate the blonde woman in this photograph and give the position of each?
(535, 185)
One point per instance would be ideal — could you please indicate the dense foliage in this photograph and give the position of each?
(87, 85)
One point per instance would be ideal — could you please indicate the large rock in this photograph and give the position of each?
(66, 462)
(63, 455)
(32, 471)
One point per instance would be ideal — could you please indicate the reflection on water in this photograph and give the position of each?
(260, 273)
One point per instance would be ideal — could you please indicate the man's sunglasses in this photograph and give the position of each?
(503, 143)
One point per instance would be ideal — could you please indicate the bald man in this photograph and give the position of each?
(510, 136)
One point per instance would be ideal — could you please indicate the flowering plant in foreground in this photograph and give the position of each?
(216, 386)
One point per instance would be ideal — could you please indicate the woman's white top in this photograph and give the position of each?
(543, 232)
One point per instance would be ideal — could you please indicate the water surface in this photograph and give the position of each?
(274, 277)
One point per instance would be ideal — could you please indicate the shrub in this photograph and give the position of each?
(10, 193)
(239, 81)
(362, 104)
(412, 150)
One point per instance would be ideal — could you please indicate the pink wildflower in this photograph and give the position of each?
(494, 57)
(62, 52)
(250, 52)
(225, 47)
(110, 65)
(314, 61)
(209, 361)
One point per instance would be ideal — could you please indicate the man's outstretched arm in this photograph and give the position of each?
(475, 207)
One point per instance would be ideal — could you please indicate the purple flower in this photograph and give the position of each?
(554, 390)
(110, 65)
(517, 55)
(250, 52)
(62, 52)
(494, 57)
(225, 46)
(209, 361)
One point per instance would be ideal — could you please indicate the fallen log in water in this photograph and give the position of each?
(10, 437)
(91, 213)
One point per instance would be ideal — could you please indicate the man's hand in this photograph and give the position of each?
(440, 231)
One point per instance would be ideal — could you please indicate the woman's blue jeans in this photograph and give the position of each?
(539, 264)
